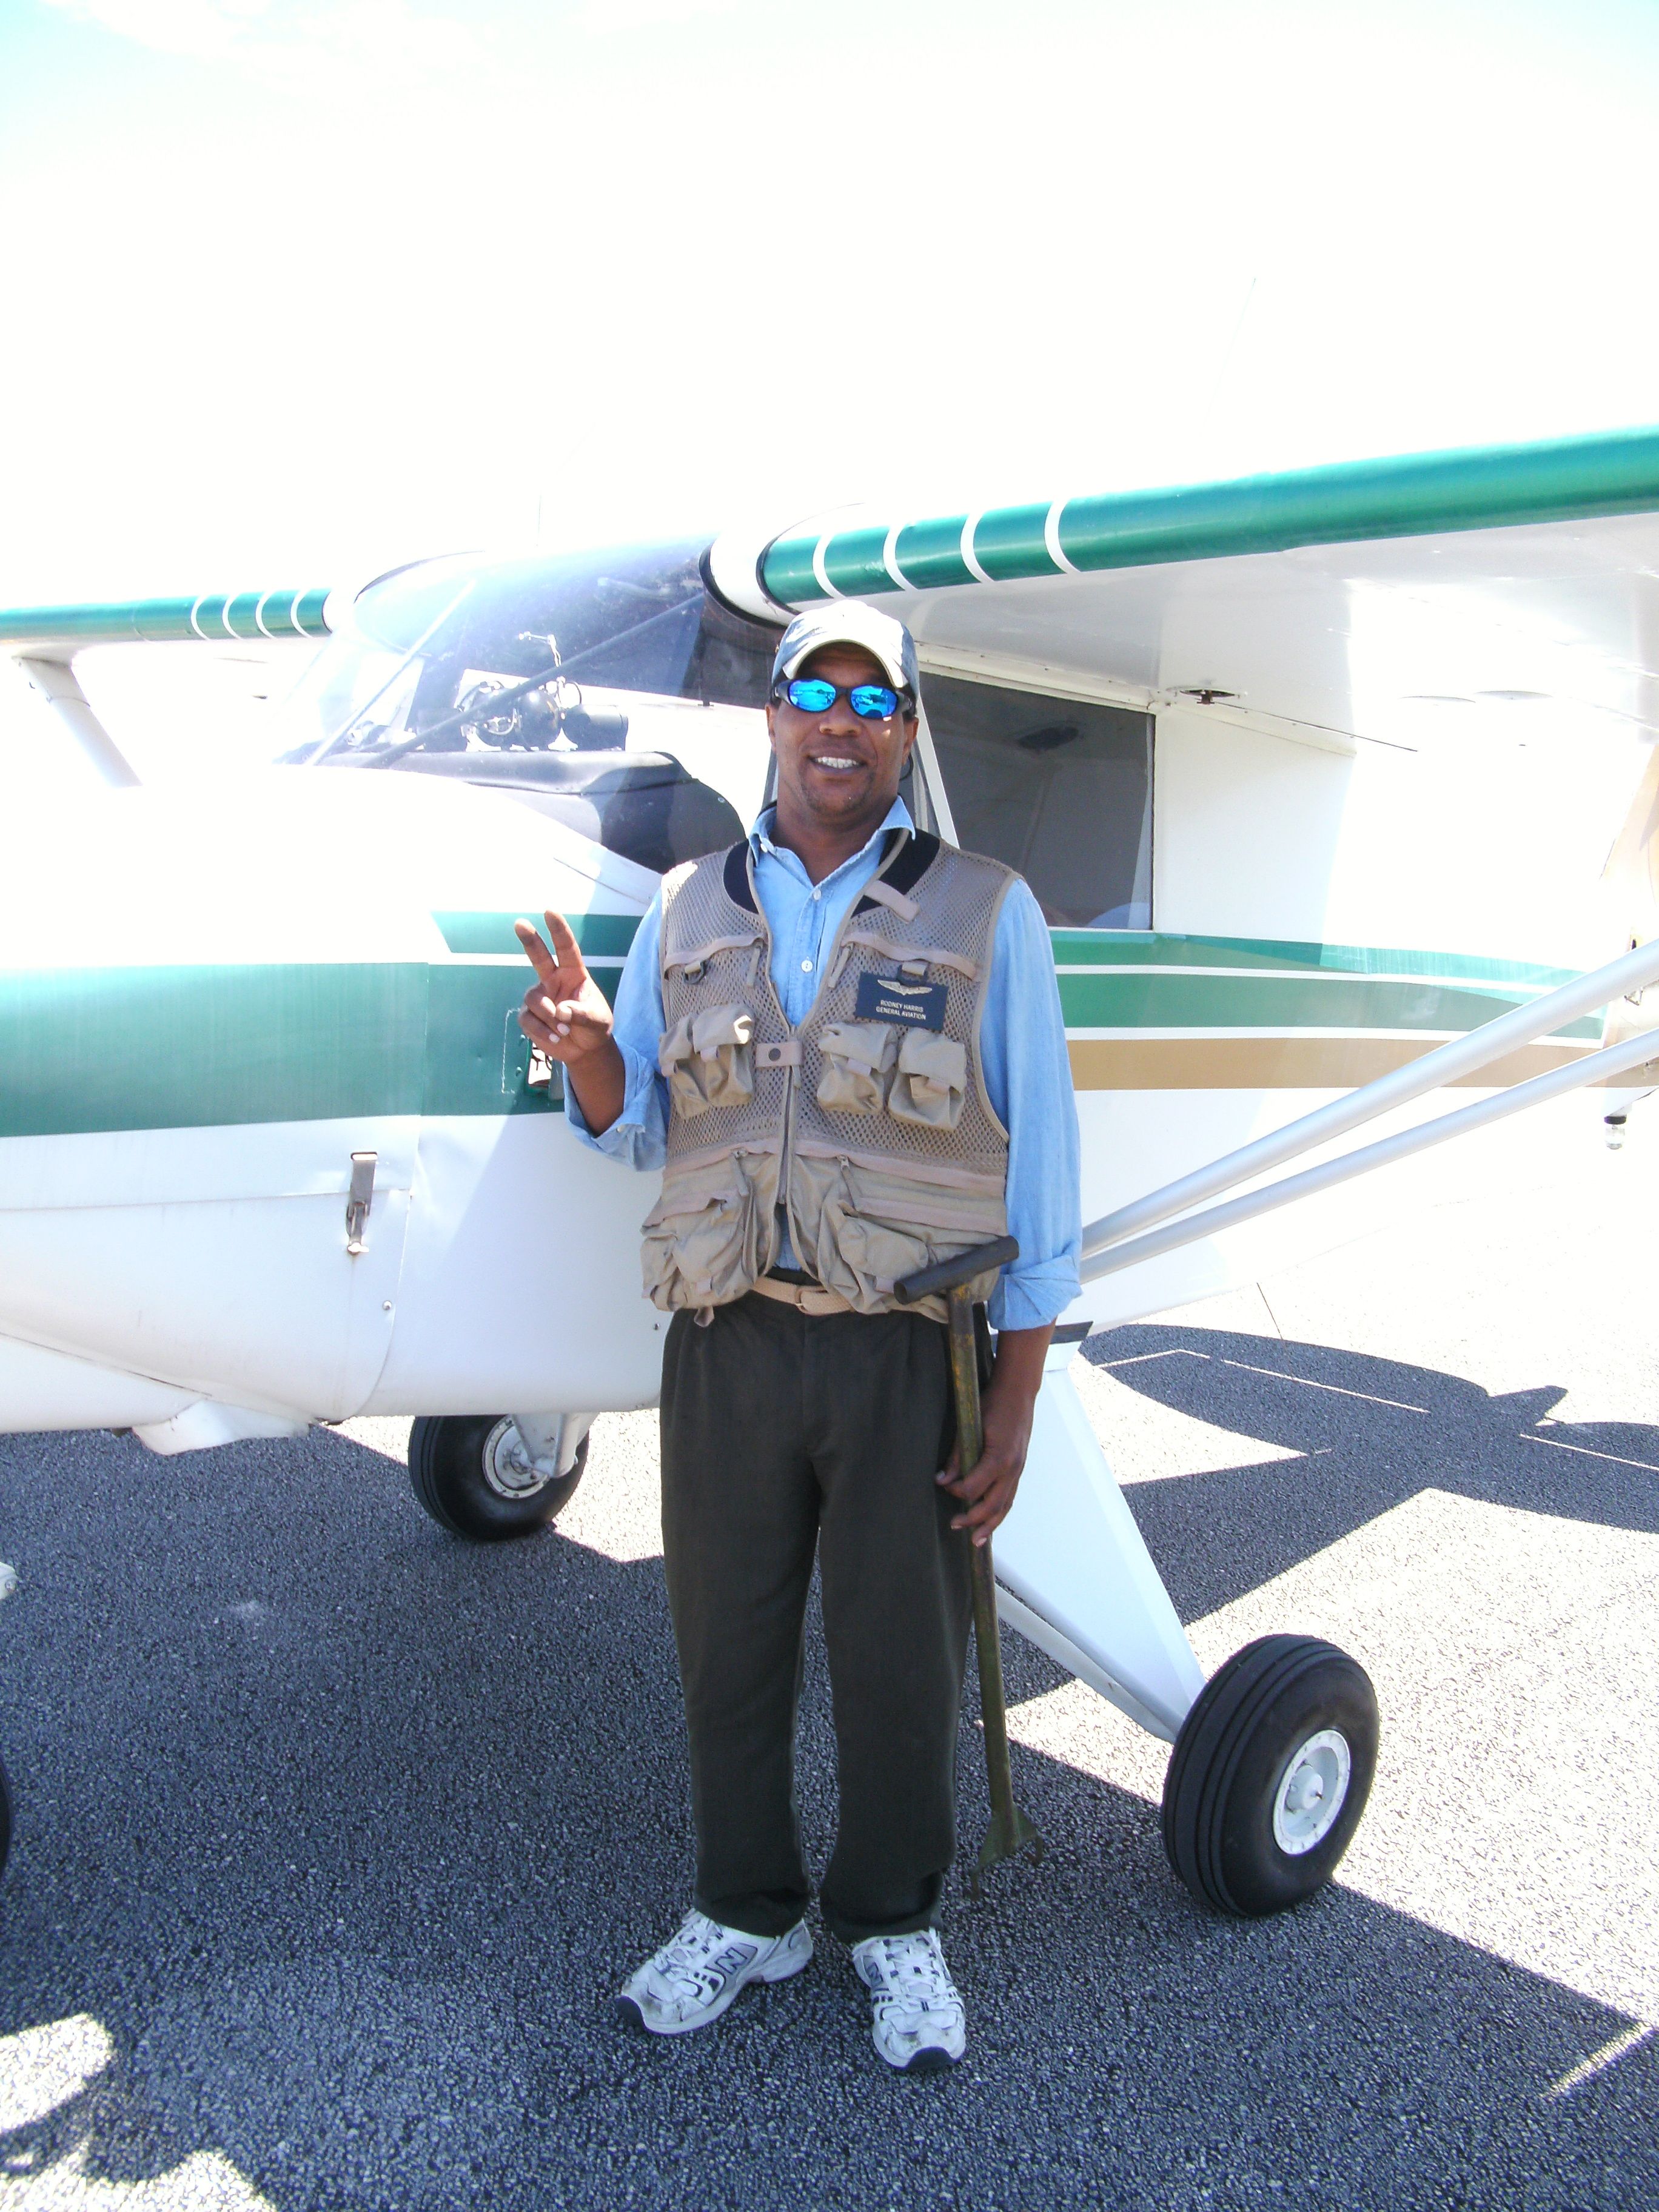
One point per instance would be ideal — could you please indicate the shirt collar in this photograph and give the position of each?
(898, 816)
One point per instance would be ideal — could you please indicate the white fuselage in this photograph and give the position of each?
(215, 997)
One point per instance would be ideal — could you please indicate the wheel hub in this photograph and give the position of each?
(1311, 1793)
(508, 1466)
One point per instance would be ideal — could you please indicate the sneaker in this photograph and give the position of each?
(919, 2025)
(692, 1979)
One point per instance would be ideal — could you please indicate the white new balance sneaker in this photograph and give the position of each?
(692, 1979)
(919, 2025)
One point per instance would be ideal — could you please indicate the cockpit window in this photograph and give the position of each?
(494, 672)
(1059, 789)
(465, 654)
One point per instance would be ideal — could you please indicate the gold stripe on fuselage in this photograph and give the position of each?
(1293, 1063)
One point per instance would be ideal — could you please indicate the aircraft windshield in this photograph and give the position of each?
(458, 655)
(496, 672)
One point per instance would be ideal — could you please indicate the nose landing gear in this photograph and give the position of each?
(476, 1474)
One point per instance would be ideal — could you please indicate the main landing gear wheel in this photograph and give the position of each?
(473, 1476)
(1270, 1775)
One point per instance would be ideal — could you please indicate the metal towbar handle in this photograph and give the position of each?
(1009, 1831)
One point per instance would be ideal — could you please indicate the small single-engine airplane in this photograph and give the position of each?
(1333, 786)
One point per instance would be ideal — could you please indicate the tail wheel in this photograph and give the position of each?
(1270, 1774)
(472, 1474)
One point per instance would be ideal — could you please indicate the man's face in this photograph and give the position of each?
(836, 765)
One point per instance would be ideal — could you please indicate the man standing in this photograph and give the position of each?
(843, 1042)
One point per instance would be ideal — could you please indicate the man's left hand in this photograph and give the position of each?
(986, 1490)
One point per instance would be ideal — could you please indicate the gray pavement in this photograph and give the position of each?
(334, 1834)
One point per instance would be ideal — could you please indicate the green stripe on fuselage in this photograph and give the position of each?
(477, 1055)
(107, 1049)
(600, 935)
(1138, 948)
(1153, 1000)
(90, 1049)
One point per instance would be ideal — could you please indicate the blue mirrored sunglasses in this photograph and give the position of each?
(816, 694)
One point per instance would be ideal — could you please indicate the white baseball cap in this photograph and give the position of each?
(849, 622)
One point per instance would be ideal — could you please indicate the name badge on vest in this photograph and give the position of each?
(889, 999)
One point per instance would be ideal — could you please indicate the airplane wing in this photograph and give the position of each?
(239, 647)
(1377, 601)
(1373, 600)
(208, 617)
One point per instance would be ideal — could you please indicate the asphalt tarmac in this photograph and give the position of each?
(334, 1835)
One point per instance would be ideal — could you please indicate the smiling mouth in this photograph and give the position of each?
(838, 764)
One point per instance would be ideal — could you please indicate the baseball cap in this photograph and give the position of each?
(849, 622)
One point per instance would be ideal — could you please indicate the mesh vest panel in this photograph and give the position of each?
(872, 1194)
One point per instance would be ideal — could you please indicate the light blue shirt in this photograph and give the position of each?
(1022, 1046)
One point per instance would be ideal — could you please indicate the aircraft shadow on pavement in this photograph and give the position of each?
(345, 1831)
(1370, 1434)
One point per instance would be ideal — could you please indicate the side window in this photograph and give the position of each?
(1058, 788)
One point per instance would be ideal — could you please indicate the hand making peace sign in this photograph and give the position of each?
(565, 1014)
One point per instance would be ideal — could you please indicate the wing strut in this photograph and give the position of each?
(1110, 1244)
(57, 683)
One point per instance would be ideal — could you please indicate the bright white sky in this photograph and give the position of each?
(300, 287)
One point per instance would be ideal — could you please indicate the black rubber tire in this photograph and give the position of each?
(1230, 1758)
(446, 1466)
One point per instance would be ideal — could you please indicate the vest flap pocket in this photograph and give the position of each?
(858, 1057)
(693, 960)
(689, 1190)
(707, 1057)
(702, 1238)
(876, 1227)
(954, 1219)
(713, 1029)
(674, 1058)
(931, 1080)
(676, 1046)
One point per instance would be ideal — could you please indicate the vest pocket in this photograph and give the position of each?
(874, 1227)
(709, 1060)
(931, 1080)
(702, 1239)
(858, 1059)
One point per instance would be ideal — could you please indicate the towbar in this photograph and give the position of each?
(1461, 1056)
(946, 1275)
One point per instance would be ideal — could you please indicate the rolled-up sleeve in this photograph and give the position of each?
(1027, 1077)
(638, 1135)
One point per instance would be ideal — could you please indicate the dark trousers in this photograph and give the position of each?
(781, 1434)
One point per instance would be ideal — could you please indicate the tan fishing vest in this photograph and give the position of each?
(869, 1123)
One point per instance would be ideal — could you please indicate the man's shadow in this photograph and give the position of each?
(1368, 1433)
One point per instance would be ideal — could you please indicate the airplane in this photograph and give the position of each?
(1338, 789)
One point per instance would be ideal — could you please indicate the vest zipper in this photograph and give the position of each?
(827, 980)
(781, 1205)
